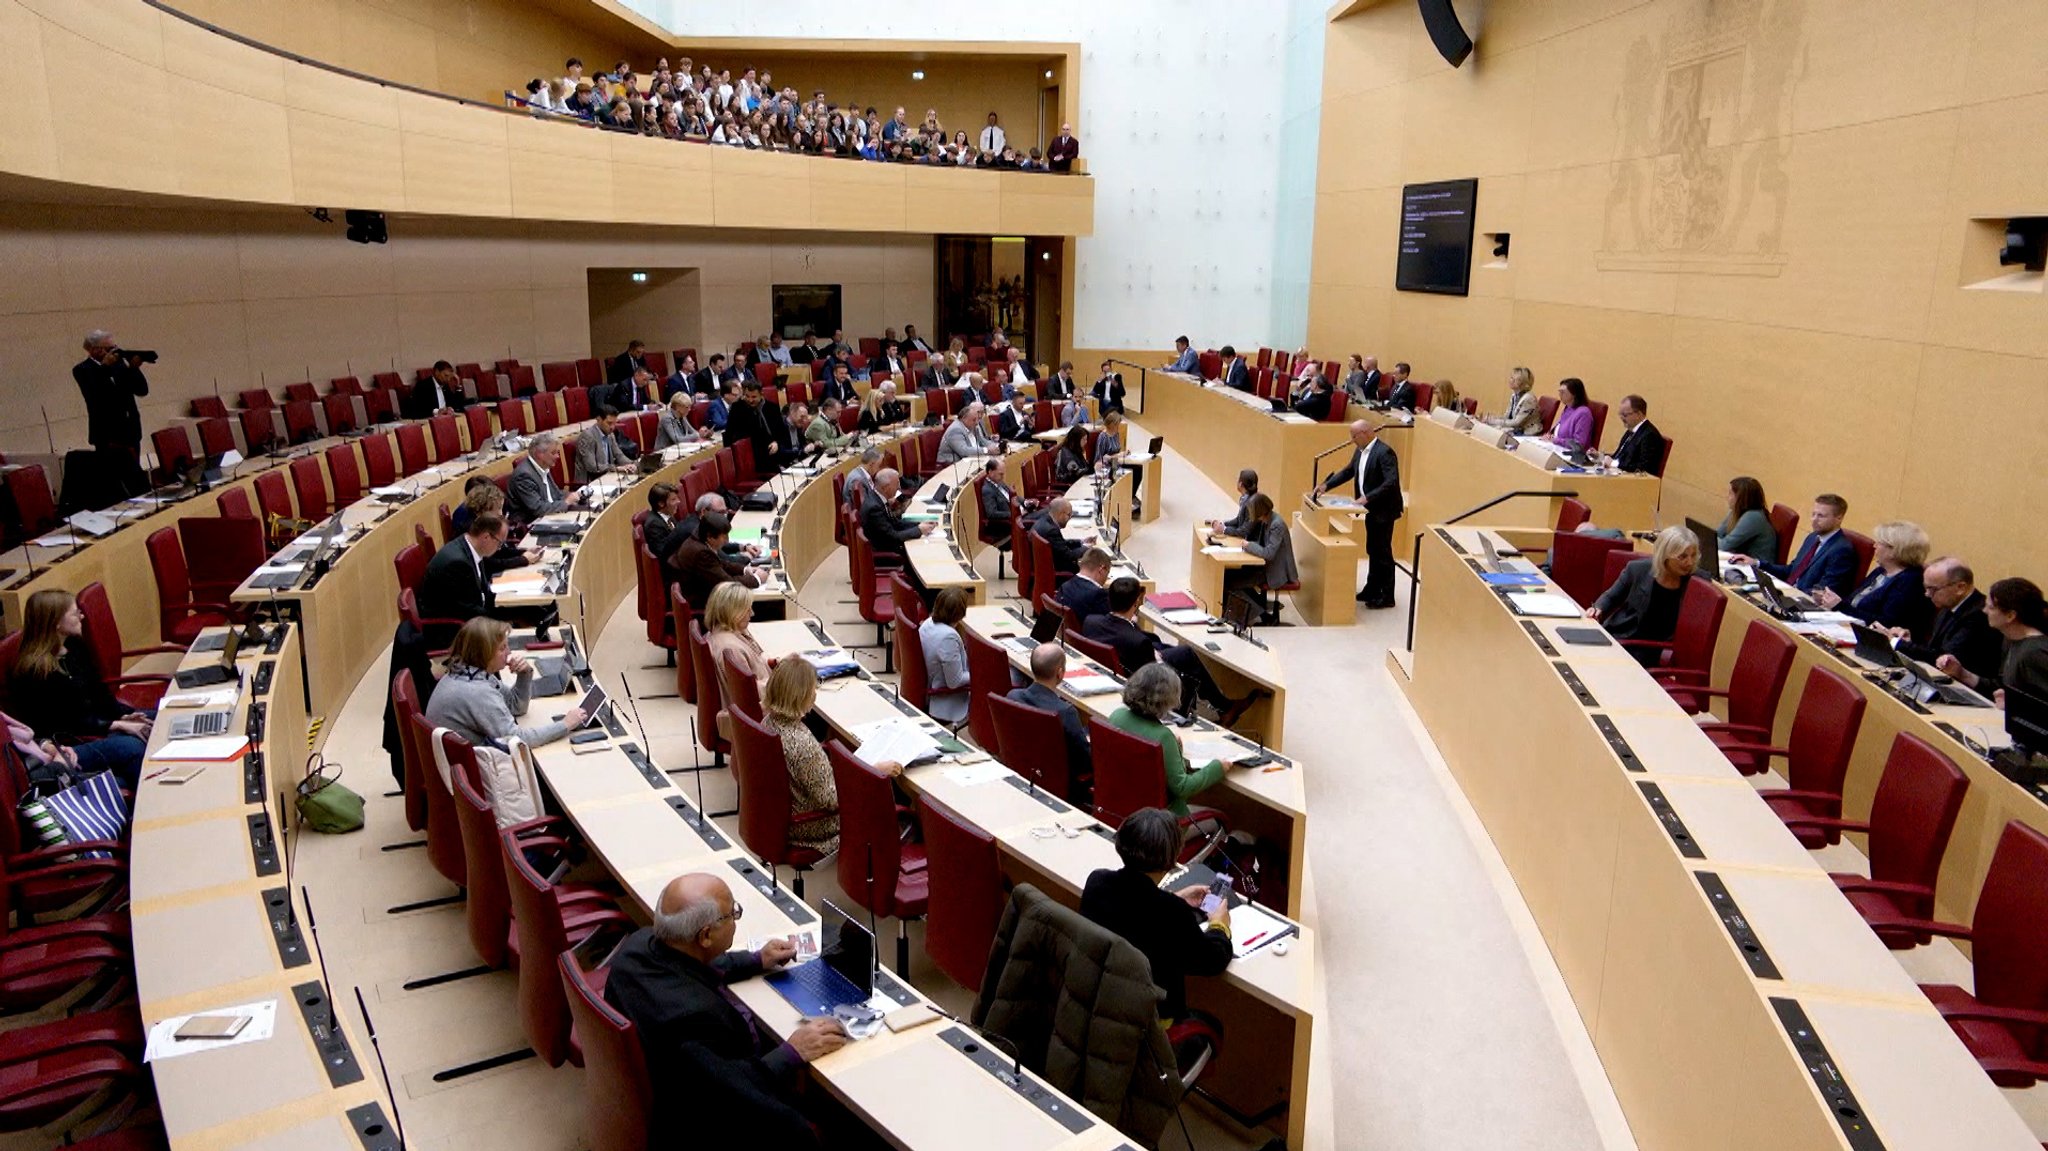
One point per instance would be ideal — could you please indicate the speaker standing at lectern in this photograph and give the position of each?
(1373, 478)
(109, 379)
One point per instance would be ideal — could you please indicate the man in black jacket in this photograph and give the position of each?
(1641, 448)
(622, 366)
(1960, 627)
(1402, 393)
(658, 530)
(1086, 595)
(1136, 647)
(436, 393)
(880, 522)
(1234, 373)
(457, 585)
(1373, 479)
(1048, 668)
(719, 1073)
(1052, 528)
(747, 422)
(109, 380)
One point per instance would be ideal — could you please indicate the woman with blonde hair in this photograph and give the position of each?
(791, 691)
(1522, 416)
(473, 700)
(956, 353)
(54, 690)
(727, 613)
(1444, 394)
(1109, 443)
(1643, 603)
(675, 423)
(1893, 595)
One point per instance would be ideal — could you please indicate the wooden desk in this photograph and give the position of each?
(1208, 571)
(1220, 433)
(1447, 471)
(1327, 545)
(1683, 1023)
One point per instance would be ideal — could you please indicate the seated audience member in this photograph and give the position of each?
(683, 380)
(724, 1076)
(881, 517)
(719, 414)
(808, 351)
(1746, 530)
(487, 498)
(1522, 416)
(776, 353)
(710, 503)
(675, 428)
(1051, 527)
(658, 530)
(1109, 443)
(1362, 379)
(473, 700)
(1401, 391)
(1643, 603)
(1001, 507)
(601, 449)
(1641, 448)
(633, 393)
(437, 393)
(862, 477)
(1015, 421)
(881, 411)
(1048, 671)
(1234, 374)
(715, 373)
(1178, 939)
(1136, 648)
(726, 615)
(1060, 385)
(1150, 693)
(823, 433)
(532, 492)
(1894, 593)
(892, 362)
(459, 519)
(1021, 368)
(1825, 559)
(1961, 629)
(54, 689)
(945, 657)
(53, 765)
(963, 438)
(1315, 399)
(1444, 394)
(457, 585)
(1085, 594)
(786, 703)
(1574, 427)
(2014, 610)
(702, 563)
(1265, 536)
(1184, 361)
(1070, 461)
(621, 367)
(1307, 368)
(1247, 487)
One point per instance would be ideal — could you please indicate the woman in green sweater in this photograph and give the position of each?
(1747, 531)
(1149, 694)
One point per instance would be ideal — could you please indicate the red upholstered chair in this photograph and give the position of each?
(180, 618)
(546, 928)
(512, 417)
(302, 421)
(255, 398)
(103, 642)
(216, 436)
(1096, 650)
(617, 1095)
(679, 616)
(446, 523)
(523, 383)
(209, 407)
(309, 483)
(589, 372)
(1048, 603)
(233, 503)
(908, 603)
(1211, 365)
(738, 687)
(84, 955)
(220, 552)
(877, 870)
(412, 449)
(444, 835)
(558, 375)
(1754, 685)
(1866, 550)
(988, 676)
(1599, 420)
(576, 405)
(1130, 774)
(1816, 753)
(345, 386)
(1032, 743)
(1546, 410)
(965, 898)
(447, 433)
(1785, 522)
(34, 505)
(547, 412)
(273, 498)
(661, 630)
(49, 883)
(301, 392)
(344, 475)
(173, 447)
(405, 698)
(489, 903)
(476, 424)
(411, 564)
(50, 1070)
(877, 605)
(736, 470)
(380, 470)
(1664, 461)
(2004, 1022)
(386, 382)
(1425, 396)
(382, 405)
(709, 699)
(765, 817)
(259, 430)
(912, 680)
(1911, 817)
(1571, 513)
(1689, 653)
(1578, 563)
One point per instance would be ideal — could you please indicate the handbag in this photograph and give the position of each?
(324, 804)
(93, 809)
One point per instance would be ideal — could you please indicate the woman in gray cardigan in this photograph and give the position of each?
(1643, 603)
(475, 703)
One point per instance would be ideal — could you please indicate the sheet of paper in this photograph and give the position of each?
(213, 697)
(1221, 550)
(897, 740)
(1200, 751)
(163, 1042)
(1186, 615)
(1253, 927)
(1545, 603)
(61, 539)
(976, 774)
(209, 747)
(293, 568)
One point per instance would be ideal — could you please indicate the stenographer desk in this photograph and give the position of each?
(1222, 432)
(218, 922)
(1710, 957)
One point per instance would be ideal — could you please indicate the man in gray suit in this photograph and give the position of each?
(599, 449)
(1265, 536)
(963, 438)
(532, 492)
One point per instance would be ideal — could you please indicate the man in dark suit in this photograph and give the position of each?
(109, 380)
(1315, 399)
(1048, 668)
(683, 379)
(1108, 389)
(1051, 527)
(881, 522)
(1402, 394)
(1086, 595)
(1825, 558)
(725, 1078)
(892, 362)
(1367, 389)
(808, 351)
(1373, 480)
(838, 385)
(912, 342)
(1060, 154)
(1960, 627)
(659, 530)
(1641, 448)
(1234, 374)
(632, 393)
(437, 393)
(1020, 368)
(1015, 421)
(1060, 385)
(748, 421)
(531, 492)
(703, 561)
(622, 366)
(1136, 647)
(457, 585)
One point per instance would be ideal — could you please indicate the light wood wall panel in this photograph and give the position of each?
(1756, 215)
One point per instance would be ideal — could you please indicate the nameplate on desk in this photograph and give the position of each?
(1578, 686)
(1738, 927)
(706, 830)
(1452, 540)
(1857, 1129)
(263, 845)
(999, 1066)
(284, 927)
(784, 902)
(265, 672)
(818, 630)
(325, 1029)
(1673, 826)
(372, 1129)
(253, 786)
(1038, 793)
(1536, 633)
(641, 762)
(1620, 747)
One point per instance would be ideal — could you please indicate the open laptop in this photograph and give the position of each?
(1874, 646)
(1710, 549)
(201, 724)
(1779, 602)
(2026, 720)
(939, 497)
(1497, 562)
(217, 673)
(1240, 611)
(1931, 686)
(843, 973)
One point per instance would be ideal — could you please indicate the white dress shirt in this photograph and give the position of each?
(992, 138)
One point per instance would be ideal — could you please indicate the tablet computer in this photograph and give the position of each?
(592, 704)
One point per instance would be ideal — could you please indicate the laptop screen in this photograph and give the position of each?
(2026, 719)
(1873, 645)
(848, 947)
(1237, 611)
(1710, 549)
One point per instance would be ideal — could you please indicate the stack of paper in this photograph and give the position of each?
(1171, 600)
(1221, 550)
(1186, 616)
(1545, 603)
(1081, 681)
(206, 747)
(1198, 751)
(897, 740)
(211, 697)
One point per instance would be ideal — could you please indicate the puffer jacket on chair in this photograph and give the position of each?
(1079, 1003)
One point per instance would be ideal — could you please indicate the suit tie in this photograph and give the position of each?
(1805, 560)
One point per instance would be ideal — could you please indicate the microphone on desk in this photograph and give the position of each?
(1316, 473)
(1016, 1076)
(646, 747)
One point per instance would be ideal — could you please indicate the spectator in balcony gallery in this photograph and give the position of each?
(993, 139)
(1061, 153)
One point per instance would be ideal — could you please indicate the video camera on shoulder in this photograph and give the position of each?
(136, 355)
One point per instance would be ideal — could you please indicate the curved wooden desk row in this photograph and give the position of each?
(1633, 841)
(219, 922)
(645, 830)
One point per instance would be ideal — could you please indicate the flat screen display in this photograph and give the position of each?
(1436, 237)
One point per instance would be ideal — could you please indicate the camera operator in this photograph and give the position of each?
(110, 378)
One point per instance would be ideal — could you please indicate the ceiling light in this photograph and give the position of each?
(1048, 73)
(918, 74)
(639, 277)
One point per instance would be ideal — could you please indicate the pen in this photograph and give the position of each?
(1256, 938)
(157, 772)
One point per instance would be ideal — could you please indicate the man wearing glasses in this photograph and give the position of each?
(718, 1071)
(1960, 628)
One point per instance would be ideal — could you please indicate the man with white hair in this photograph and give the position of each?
(881, 520)
(109, 379)
(532, 492)
(963, 438)
(718, 1072)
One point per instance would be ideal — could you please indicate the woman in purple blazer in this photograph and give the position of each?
(1574, 428)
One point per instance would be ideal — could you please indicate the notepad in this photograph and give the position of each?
(1253, 927)
(1187, 616)
(1171, 600)
(210, 748)
(1221, 750)
(1545, 603)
